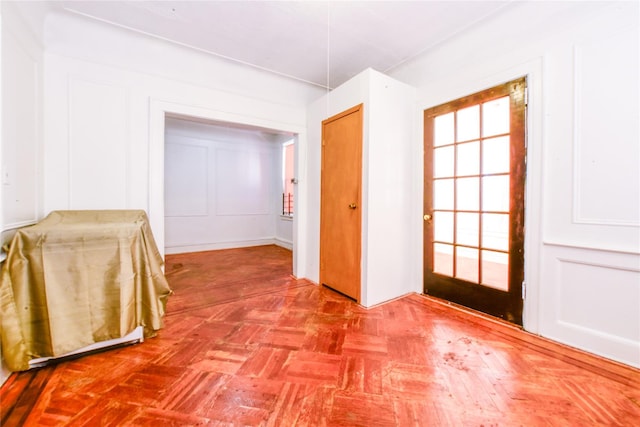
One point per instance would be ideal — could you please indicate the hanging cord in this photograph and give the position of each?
(328, 70)
(328, 84)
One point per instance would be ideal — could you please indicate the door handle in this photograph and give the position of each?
(352, 206)
(427, 217)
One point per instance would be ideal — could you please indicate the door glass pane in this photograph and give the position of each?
(495, 117)
(443, 226)
(467, 264)
(443, 130)
(495, 270)
(495, 155)
(495, 193)
(443, 259)
(467, 194)
(443, 162)
(495, 231)
(467, 229)
(468, 161)
(443, 194)
(468, 126)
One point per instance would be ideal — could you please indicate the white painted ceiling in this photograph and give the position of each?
(320, 42)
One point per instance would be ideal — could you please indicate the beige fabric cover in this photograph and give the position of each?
(77, 278)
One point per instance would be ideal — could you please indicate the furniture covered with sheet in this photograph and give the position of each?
(78, 278)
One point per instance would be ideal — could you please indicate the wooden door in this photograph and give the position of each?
(340, 197)
(474, 200)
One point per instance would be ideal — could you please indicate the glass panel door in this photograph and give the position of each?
(474, 203)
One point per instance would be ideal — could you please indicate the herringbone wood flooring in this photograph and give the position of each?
(244, 343)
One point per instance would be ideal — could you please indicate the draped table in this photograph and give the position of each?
(77, 278)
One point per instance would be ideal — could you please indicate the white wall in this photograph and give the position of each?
(393, 210)
(223, 187)
(582, 246)
(21, 124)
(284, 231)
(389, 265)
(106, 97)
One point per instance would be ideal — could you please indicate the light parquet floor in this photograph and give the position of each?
(244, 343)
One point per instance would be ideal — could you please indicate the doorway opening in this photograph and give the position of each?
(223, 187)
(256, 217)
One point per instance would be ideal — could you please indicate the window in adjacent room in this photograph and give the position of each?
(287, 177)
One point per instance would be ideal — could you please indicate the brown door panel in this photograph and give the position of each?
(340, 200)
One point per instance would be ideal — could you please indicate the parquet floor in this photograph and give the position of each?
(244, 343)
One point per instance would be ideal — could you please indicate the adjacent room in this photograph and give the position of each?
(225, 186)
(347, 213)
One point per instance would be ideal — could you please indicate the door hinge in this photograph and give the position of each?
(526, 96)
(524, 290)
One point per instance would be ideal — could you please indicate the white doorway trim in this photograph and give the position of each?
(158, 109)
(460, 86)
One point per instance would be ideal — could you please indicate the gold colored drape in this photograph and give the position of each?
(77, 278)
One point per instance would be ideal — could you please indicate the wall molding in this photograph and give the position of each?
(17, 225)
(283, 243)
(195, 152)
(228, 204)
(582, 288)
(73, 84)
(565, 245)
(32, 62)
(578, 214)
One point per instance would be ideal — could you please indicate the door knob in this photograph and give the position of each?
(427, 217)
(352, 206)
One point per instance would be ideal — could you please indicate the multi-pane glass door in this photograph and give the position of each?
(474, 200)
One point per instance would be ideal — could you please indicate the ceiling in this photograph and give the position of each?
(318, 42)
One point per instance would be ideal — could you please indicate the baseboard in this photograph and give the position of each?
(180, 249)
(283, 243)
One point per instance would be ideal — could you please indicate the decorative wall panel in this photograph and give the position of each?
(98, 141)
(20, 133)
(586, 288)
(591, 299)
(186, 180)
(240, 173)
(606, 134)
